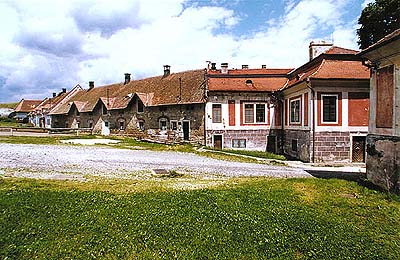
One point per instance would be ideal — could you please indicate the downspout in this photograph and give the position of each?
(283, 109)
(205, 103)
(313, 117)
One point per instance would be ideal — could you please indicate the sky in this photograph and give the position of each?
(48, 45)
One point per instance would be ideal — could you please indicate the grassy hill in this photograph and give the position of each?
(8, 105)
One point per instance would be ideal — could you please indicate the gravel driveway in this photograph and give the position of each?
(75, 162)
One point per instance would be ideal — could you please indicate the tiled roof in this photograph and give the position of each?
(336, 63)
(239, 84)
(49, 103)
(27, 105)
(248, 80)
(339, 50)
(160, 90)
(251, 72)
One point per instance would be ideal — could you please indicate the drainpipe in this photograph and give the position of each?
(313, 117)
(205, 97)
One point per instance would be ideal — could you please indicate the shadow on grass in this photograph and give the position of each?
(360, 178)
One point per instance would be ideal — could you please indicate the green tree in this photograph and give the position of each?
(377, 20)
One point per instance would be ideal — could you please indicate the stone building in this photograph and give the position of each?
(165, 107)
(326, 104)
(383, 140)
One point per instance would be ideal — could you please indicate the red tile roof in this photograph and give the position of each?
(27, 105)
(239, 84)
(251, 72)
(160, 90)
(336, 63)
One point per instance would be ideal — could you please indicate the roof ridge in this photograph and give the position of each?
(319, 67)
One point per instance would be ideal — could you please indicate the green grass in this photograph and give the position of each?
(8, 105)
(253, 218)
(8, 122)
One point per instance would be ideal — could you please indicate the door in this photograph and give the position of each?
(105, 130)
(186, 130)
(358, 149)
(217, 141)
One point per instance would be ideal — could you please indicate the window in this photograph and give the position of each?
(254, 113)
(295, 111)
(163, 124)
(121, 125)
(238, 143)
(294, 145)
(90, 124)
(174, 125)
(329, 108)
(140, 106)
(141, 125)
(216, 113)
(106, 124)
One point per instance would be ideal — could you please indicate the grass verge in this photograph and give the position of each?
(252, 218)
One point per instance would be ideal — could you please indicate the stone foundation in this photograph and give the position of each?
(332, 147)
(255, 139)
(297, 144)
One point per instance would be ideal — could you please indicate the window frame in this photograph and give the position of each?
(291, 119)
(214, 110)
(160, 124)
(336, 108)
(254, 111)
(239, 143)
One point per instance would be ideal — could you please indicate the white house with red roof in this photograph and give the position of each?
(316, 113)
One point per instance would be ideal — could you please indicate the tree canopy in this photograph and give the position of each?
(377, 20)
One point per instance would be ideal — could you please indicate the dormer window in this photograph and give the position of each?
(249, 82)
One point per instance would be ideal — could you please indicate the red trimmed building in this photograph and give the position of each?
(315, 113)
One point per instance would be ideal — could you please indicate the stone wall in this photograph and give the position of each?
(332, 147)
(297, 144)
(255, 139)
(383, 161)
(144, 124)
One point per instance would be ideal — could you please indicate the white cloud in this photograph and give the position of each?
(54, 44)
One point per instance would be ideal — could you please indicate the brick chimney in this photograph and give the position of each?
(263, 66)
(213, 66)
(245, 67)
(91, 85)
(64, 90)
(317, 48)
(224, 68)
(127, 78)
(167, 70)
(54, 94)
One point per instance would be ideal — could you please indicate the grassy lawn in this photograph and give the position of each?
(8, 122)
(248, 218)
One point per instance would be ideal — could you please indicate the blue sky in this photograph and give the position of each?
(48, 45)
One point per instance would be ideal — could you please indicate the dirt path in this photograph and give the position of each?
(76, 162)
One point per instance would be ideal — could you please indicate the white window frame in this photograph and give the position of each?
(337, 108)
(166, 123)
(214, 121)
(290, 111)
(254, 104)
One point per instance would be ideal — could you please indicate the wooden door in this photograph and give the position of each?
(358, 149)
(218, 141)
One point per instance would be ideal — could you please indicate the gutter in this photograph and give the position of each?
(313, 117)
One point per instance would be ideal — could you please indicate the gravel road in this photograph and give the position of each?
(76, 162)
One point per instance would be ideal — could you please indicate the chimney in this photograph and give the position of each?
(127, 78)
(167, 70)
(263, 66)
(317, 48)
(64, 90)
(245, 67)
(91, 85)
(224, 68)
(54, 94)
(213, 66)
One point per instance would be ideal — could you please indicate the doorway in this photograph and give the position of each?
(217, 141)
(186, 129)
(358, 149)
